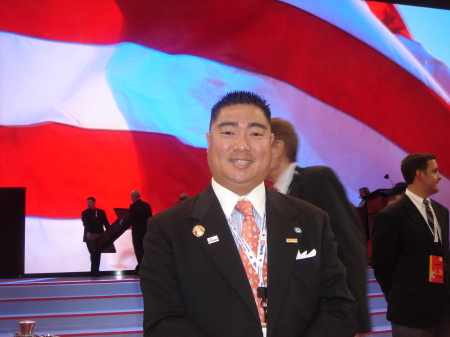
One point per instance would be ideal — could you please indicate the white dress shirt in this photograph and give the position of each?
(284, 181)
(228, 200)
(418, 202)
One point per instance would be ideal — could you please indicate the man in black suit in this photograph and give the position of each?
(320, 186)
(93, 221)
(210, 270)
(139, 213)
(410, 254)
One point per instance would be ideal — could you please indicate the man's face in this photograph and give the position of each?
(275, 154)
(431, 178)
(361, 193)
(239, 148)
(90, 204)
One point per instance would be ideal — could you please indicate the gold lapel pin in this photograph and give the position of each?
(198, 230)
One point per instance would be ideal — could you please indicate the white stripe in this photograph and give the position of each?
(44, 81)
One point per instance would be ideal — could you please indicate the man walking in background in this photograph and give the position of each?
(140, 211)
(94, 219)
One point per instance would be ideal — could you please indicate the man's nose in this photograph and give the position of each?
(242, 143)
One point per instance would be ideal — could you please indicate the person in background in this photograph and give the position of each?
(320, 186)
(94, 219)
(363, 191)
(139, 213)
(410, 254)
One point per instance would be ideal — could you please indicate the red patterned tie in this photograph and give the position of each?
(250, 233)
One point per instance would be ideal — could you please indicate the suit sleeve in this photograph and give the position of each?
(83, 219)
(329, 195)
(131, 216)
(335, 316)
(164, 311)
(385, 244)
(105, 220)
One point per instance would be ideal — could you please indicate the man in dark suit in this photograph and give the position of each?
(93, 221)
(212, 268)
(410, 254)
(320, 186)
(139, 213)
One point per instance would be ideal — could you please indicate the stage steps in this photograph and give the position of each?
(69, 307)
(105, 306)
(381, 327)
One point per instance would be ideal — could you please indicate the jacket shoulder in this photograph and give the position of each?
(294, 202)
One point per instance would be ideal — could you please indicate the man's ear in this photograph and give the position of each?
(419, 175)
(278, 147)
(208, 137)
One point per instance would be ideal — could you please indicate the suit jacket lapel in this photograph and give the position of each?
(209, 214)
(416, 217)
(281, 255)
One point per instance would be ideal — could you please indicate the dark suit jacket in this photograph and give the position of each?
(92, 224)
(192, 288)
(140, 211)
(402, 244)
(320, 186)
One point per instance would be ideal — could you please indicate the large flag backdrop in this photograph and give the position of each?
(100, 98)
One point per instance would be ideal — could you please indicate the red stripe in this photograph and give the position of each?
(73, 315)
(41, 299)
(46, 283)
(276, 39)
(103, 333)
(93, 21)
(62, 165)
(388, 14)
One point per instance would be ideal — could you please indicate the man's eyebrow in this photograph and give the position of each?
(249, 125)
(257, 125)
(227, 124)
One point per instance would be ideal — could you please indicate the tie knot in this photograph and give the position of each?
(245, 207)
(426, 202)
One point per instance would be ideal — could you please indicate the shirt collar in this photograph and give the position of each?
(228, 199)
(283, 183)
(418, 201)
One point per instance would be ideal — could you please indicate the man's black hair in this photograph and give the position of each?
(239, 97)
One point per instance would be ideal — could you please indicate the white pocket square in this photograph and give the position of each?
(305, 255)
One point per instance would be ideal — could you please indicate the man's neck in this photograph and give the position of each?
(276, 173)
(418, 191)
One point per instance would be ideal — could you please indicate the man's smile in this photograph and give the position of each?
(241, 161)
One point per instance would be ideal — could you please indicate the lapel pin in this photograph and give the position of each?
(198, 230)
(291, 240)
(298, 230)
(213, 239)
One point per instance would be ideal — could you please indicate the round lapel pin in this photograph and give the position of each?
(198, 231)
(298, 230)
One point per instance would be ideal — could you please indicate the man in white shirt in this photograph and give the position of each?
(239, 259)
(411, 252)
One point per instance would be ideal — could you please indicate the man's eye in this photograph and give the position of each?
(256, 134)
(226, 133)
